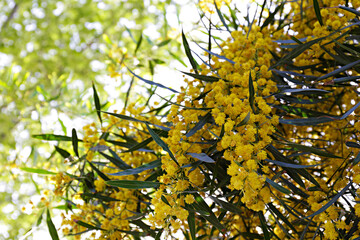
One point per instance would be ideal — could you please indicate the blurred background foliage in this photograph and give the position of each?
(50, 53)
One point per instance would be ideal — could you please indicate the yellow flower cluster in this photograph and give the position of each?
(208, 5)
(221, 128)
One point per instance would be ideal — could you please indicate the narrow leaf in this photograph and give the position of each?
(99, 148)
(203, 77)
(217, 55)
(339, 70)
(188, 53)
(307, 121)
(350, 111)
(88, 226)
(158, 235)
(148, 166)
(357, 159)
(312, 150)
(75, 140)
(62, 152)
(101, 174)
(296, 52)
(251, 93)
(52, 137)
(317, 12)
(350, 10)
(160, 142)
(331, 202)
(192, 226)
(290, 165)
(304, 91)
(140, 146)
(138, 43)
(202, 157)
(116, 161)
(124, 117)
(97, 103)
(133, 184)
(278, 187)
(205, 119)
(227, 206)
(151, 82)
(99, 196)
(352, 144)
(52, 230)
(38, 171)
(119, 160)
(281, 216)
(221, 17)
(264, 226)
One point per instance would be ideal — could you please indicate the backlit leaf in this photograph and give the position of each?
(133, 184)
(52, 230)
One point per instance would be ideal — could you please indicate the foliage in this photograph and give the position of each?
(261, 143)
(50, 53)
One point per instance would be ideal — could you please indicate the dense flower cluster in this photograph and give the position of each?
(250, 124)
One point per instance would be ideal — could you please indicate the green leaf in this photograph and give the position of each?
(312, 150)
(101, 174)
(179, 59)
(251, 93)
(345, 79)
(148, 166)
(204, 77)
(227, 206)
(357, 159)
(217, 55)
(39, 220)
(161, 143)
(290, 165)
(124, 117)
(52, 230)
(192, 226)
(296, 52)
(281, 216)
(88, 226)
(99, 148)
(271, 16)
(75, 140)
(264, 226)
(97, 103)
(151, 82)
(221, 17)
(188, 53)
(205, 119)
(278, 187)
(202, 157)
(350, 111)
(52, 137)
(99, 196)
(304, 91)
(307, 121)
(140, 146)
(163, 43)
(38, 171)
(158, 235)
(138, 43)
(331, 202)
(133, 184)
(350, 10)
(245, 120)
(317, 12)
(339, 70)
(116, 160)
(62, 152)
